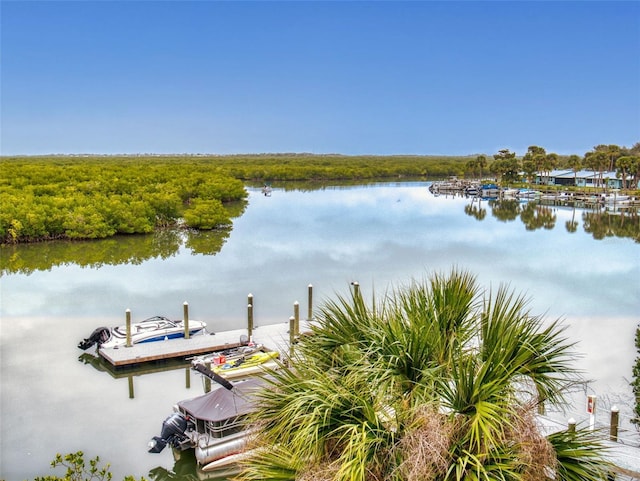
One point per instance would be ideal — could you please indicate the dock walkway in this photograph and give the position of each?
(273, 336)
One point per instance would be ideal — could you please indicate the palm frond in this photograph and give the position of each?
(515, 340)
(272, 462)
(426, 384)
(581, 456)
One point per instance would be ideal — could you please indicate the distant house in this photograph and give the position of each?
(582, 178)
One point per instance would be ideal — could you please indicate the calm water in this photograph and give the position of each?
(380, 235)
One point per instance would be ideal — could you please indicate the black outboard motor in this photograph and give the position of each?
(172, 433)
(100, 335)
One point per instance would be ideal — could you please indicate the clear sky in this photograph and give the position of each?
(417, 77)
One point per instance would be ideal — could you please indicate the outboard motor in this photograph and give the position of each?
(172, 433)
(100, 335)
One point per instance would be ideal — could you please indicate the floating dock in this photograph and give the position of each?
(274, 336)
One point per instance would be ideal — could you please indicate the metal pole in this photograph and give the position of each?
(186, 319)
(128, 320)
(615, 419)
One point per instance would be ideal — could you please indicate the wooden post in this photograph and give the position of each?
(128, 320)
(207, 381)
(572, 425)
(310, 302)
(356, 289)
(186, 319)
(130, 381)
(615, 419)
(296, 315)
(541, 408)
(292, 336)
(250, 315)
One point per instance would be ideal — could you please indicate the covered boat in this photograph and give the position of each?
(155, 328)
(213, 424)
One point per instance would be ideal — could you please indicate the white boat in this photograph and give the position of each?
(472, 190)
(615, 198)
(155, 328)
(214, 424)
(510, 192)
(528, 194)
(489, 190)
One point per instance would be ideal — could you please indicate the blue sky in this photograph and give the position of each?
(453, 78)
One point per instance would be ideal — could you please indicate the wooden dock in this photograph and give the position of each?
(274, 336)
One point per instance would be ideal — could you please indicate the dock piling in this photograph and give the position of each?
(615, 419)
(310, 302)
(356, 289)
(128, 323)
(186, 319)
(296, 315)
(207, 380)
(250, 315)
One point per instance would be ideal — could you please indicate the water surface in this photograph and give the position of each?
(381, 235)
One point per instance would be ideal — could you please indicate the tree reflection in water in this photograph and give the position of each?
(475, 211)
(166, 243)
(535, 216)
(122, 249)
(597, 221)
(132, 249)
(612, 224)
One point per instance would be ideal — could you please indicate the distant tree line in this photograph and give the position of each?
(93, 197)
(89, 199)
(508, 167)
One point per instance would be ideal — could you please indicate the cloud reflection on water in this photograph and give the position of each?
(381, 236)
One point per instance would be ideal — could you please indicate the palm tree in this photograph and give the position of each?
(481, 162)
(623, 166)
(436, 381)
(575, 163)
(597, 162)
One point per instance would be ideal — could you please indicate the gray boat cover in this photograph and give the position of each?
(222, 403)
